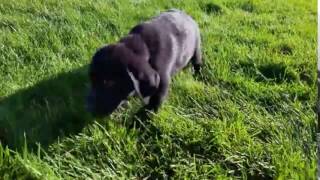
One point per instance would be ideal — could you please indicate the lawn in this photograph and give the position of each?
(251, 114)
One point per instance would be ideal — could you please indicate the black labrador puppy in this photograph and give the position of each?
(143, 62)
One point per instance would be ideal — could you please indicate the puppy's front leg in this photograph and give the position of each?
(160, 95)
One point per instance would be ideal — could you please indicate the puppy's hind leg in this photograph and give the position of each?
(197, 57)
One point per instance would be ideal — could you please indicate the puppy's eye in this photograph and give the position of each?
(108, 83)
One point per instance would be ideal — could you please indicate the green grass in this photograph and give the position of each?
(250, 115)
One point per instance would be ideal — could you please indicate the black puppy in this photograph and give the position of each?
(143, 62)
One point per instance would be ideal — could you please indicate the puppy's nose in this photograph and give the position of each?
(90, 103)
(89, 107)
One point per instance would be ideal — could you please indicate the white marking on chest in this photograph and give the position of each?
(137, 88)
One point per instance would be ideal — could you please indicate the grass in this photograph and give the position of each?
(250, 115)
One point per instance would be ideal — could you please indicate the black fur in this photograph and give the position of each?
(144, 62)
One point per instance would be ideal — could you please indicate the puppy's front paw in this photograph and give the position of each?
(151, 107)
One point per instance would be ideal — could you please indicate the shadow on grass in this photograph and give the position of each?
(42, 113)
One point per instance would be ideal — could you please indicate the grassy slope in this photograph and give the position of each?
(251, 114)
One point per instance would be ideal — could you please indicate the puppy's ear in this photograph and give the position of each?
(145, 79)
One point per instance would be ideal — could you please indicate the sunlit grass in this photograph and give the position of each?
(250, 115)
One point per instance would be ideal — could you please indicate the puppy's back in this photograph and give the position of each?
(178, 19)
(183, 33)
(171, 37)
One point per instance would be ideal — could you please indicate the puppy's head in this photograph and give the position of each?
(116, 72)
